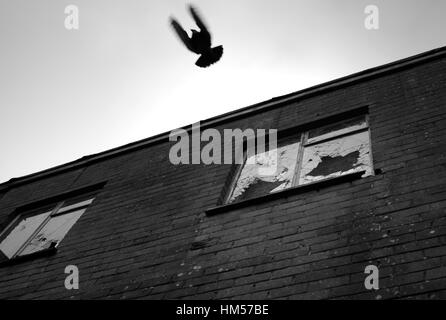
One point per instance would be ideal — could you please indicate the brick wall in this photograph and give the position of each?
(136, 240)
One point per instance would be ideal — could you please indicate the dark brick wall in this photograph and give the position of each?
(135, 240)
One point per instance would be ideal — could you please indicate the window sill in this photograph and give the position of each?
(287, 192)
(44, 253)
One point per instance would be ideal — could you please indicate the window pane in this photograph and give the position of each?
(337, 129)
(336, 157)
(21, 233)
(267, 172)
(54, 231)
(68, 206)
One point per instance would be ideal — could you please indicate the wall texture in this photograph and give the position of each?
(137, 239)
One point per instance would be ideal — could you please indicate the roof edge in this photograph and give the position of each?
(246, 111)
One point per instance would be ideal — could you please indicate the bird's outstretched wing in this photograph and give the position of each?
(198, 20)
(182, 34)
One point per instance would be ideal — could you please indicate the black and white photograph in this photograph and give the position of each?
(220, 157)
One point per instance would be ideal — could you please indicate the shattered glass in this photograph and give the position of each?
(21, 233)
(336, 129)
(267, 172)
(53, 232)
(336, 157)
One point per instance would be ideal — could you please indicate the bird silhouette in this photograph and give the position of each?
(199, 42)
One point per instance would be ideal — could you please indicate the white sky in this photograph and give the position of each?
(124, 76)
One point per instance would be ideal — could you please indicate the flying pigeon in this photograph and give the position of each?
(199, 42)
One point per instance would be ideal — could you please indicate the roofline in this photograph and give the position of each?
(239, 113)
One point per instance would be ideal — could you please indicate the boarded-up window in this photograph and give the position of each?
(42, 228)
(325, 152)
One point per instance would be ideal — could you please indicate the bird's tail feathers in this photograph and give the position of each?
(210, 57)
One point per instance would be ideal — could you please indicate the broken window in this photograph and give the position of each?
(329, 151)
(336, 157)
(266, 172)
(42, 228)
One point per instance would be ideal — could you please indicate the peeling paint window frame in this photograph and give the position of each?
(305, 143)
(57, 209)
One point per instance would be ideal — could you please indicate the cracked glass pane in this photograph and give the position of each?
(267, 172)
(336, 157)
(21, 233)
(53, 232)
(336, 129)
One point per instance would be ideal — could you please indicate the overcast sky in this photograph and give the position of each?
(124, 76)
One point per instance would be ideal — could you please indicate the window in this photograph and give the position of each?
(42, 228)
(325, 152)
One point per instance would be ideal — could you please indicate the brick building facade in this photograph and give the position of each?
(161, 231)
